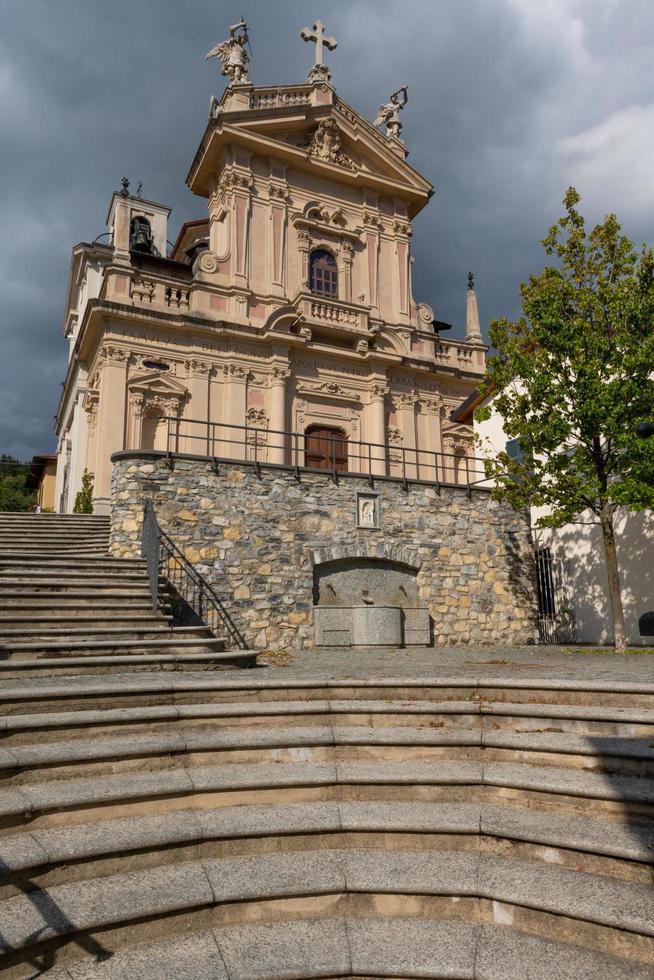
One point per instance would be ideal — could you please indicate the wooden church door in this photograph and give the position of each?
(325, 448)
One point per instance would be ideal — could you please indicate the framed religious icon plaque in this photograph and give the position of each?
(368, 511)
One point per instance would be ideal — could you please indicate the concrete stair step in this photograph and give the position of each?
(62, 604)
(45, 563)
(28, 619)
(607, 908)
(43, 570)
(51, 538)
(90, 631)
(167, 658)
(177, 644)
(113, 588)
(75, 598)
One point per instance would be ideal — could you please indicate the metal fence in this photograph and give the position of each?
(555, 619)
(335, 453)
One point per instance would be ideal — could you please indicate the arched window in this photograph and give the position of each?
(325, 448)
(323, 273)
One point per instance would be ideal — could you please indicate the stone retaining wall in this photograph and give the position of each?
(258, 537)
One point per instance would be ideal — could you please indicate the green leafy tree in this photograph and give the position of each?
(84, 497)
(14, 496)
(573, 377)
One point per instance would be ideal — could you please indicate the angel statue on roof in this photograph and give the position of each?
(389, 114)
(232, 53)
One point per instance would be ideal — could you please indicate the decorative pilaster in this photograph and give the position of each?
(403, 232)
(406, 408)
(111, 422)
(347, 254)
(428, 423)
(278, 193)
(373, 223)
(377, 427)
(198, 374)
(304, 247)
(236, 376)
(278, 417)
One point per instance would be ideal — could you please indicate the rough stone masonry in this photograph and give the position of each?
(258, 538)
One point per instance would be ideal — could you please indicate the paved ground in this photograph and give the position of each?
(537, 661)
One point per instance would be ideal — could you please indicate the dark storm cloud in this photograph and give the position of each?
(510, 101)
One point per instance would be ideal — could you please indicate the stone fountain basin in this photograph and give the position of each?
(371, 625)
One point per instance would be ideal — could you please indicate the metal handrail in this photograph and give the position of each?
(165, 561)
(281, 447)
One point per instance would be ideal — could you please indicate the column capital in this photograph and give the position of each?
(378, 391)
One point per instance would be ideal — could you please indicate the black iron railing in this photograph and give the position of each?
(173, 579)
(556, 622)
(324, 453)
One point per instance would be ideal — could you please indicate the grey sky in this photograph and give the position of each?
(510, 101)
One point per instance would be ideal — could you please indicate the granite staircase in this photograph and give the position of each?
(269, 824)
(65, 605)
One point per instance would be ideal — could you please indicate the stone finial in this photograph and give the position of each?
(473, 328)
(125, 187)
(389, 114)
(233, 54)
(320, 72)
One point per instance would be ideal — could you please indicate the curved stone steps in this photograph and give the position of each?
(55, 855)
(238, 891)
(478, 810)
(78, 799)
(615, 731)
(363, 947)
(333, 742)
(561, 696)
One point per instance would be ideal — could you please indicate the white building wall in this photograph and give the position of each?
(580, 549)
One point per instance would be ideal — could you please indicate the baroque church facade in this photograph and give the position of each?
(282, 327)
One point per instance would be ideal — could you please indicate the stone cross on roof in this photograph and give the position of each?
(320, 71)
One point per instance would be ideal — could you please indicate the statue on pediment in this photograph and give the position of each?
(233, 54)
(389, 114)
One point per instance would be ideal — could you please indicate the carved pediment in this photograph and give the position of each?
(154, 383)
(334, 137)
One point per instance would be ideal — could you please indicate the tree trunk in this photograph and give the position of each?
(613, 575)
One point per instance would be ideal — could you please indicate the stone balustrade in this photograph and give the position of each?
(334, 313)
(146, 291)
(275, 98)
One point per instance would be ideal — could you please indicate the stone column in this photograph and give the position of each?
(111, 423)
(278, 418)
(377, 427)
